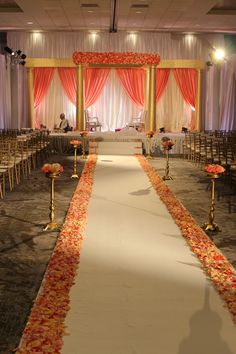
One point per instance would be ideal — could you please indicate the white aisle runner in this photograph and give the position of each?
(139, 288)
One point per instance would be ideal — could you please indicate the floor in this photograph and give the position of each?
(26, 249)
(139, 287)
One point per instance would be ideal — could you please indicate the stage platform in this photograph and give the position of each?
(124, 142)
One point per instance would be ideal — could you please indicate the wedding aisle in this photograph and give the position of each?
(139, 288)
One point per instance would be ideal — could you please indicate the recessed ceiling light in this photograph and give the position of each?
(138, 12)
(90, 11)
(91, 23)
(29, 23)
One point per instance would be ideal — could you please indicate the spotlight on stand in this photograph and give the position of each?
(162, 130)
(9, 50)
(22, 62)
(17, 57)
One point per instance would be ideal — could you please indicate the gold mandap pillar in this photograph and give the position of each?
(152, 98)
(80, 98)
(30, 98)
(198, 100)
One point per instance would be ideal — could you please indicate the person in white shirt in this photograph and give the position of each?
(64, 124)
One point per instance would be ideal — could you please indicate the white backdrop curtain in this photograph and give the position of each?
(114, 108)
(228, 95)
(169, 46)
(54, 103)
(172, 111)
(63, 44)
(5, 93)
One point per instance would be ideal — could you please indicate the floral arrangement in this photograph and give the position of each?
(75, 142)
(45, 328)
(216, 266)
(150, 134)
(116, 58)
(52, 168)
(214, 169)
(83, 133)
(168, 144)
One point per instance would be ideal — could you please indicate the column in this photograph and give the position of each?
(198, 101)
(80, 98)
(152, 98)
(31, 98)
(146, 98)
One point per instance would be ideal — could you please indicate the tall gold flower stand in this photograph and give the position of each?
(52, 225)
(75, 171)
(149, 148)
(83, 148)
(167, 170)
(211, 225)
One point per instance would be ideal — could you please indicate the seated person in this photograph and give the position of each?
(64, 124)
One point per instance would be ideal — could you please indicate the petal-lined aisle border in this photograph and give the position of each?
(218, 268)
(45, 328)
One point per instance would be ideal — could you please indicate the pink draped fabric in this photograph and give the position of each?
(187, 81)
(95, 80)
(42, 78)
(162, 76)
(68, 81)
(133, 81)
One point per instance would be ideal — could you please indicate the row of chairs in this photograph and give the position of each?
(19, 155)
(203, 148)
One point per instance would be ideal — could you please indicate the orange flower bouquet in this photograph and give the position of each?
(168, 144)
(214, 169)
(84, 133)
(150, 134)
(52, 168)
(75, 142)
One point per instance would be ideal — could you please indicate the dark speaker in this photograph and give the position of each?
(3, 41)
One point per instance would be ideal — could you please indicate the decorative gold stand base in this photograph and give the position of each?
(83, 157)
(211, 227)
(149, 157)
(165, 178)
(52, 226)
(75, 175)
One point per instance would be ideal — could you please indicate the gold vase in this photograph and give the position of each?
(149, 147)
(211, 225)
(75, 172)
(83, 148)
(52, 225)
(167, 170)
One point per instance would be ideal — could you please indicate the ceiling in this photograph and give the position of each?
(115, 15)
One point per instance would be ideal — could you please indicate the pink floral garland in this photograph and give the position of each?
(45, 328)
(116, 58)
(218, 268)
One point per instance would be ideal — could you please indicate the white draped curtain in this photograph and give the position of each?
(172, 112)
(5, 93)
(114, 108)
(54, 103)
(219, 85)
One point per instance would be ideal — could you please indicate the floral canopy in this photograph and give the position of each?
(116, 58)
